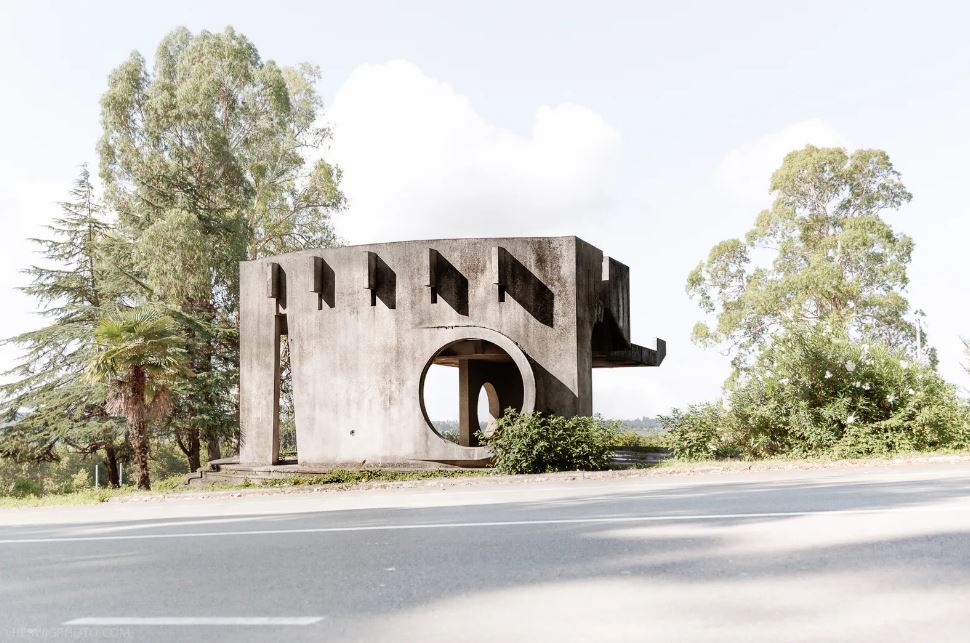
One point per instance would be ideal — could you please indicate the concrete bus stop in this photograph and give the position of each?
(525, 319)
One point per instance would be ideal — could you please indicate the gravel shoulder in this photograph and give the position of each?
(470, 490)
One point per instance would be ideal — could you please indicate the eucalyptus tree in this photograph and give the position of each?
(45, 403)
(821, 253)
(206, 157)
(812, 302)
(139, 355)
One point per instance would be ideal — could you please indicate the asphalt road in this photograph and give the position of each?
(863, 555)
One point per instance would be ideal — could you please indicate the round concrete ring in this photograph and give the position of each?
(455, 334)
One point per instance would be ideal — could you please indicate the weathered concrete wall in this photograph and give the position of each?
(362, 328)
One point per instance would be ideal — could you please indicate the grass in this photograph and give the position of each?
(175, 485)
(358, 476)
(807, 461)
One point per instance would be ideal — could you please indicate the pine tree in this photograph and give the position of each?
(47, 405)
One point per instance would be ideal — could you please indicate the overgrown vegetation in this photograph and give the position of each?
(26, 493)
(827, 360)
(539, 443)
(208, 156)
(817, 393)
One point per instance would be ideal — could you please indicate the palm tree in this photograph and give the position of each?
(139, 353)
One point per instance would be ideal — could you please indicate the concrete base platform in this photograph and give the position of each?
(229, 471)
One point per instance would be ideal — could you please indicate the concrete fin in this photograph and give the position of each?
(273, 280)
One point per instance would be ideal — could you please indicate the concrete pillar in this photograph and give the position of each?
(468, 385)
(504, 378)
(259, 369)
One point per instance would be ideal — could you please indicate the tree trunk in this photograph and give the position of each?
(111, 464)
(139, 432)
(194, 451)
(201, 364)
(213, 449)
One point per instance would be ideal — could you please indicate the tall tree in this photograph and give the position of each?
(45, 401)
(204, 156)
(139, 353)
(821, 253)
(813, 303)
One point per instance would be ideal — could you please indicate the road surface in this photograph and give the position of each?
(872, 554)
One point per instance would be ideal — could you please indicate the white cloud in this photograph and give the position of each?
(420, 162)
(746, 169)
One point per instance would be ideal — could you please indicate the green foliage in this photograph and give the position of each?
(537, 443)
(812, 300)
(167, 460)
(695, 434)
(68, 472)
(45, 404)
(451, 436)
(137, 339)
(210, 156)
(81, 480)
(822, 252)
(634, 439)
(23, 487)
(204, 156)
(815, 392)
(140, 353)
(170, 483)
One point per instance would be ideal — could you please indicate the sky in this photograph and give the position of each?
(648, 129)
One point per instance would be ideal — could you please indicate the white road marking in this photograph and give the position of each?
(496, 523)
(195, 620)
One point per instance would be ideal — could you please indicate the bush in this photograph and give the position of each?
(537, 443)
(634, 439)
(817, 393)
(81, 480)
(696, 434)
(22, 487)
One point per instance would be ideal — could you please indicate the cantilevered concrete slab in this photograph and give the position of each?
(525, 319)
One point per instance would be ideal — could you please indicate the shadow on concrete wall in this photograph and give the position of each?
(551, 393)
(327, 294)
(528, 290)
(452, 286)
(386, 290)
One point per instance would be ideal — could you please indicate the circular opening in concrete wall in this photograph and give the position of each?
(468, 383)
(441, 400)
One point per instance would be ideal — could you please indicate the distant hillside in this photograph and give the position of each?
(645, 425)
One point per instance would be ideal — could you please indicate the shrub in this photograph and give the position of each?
(538, 443)
(634, 439)
(817, 393)
(696, 434)
(81, 480)
(171, 483)
(22, 487)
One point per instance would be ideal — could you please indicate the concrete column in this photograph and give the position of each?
(507, 381)
(468, 386)
(259, 369)
(472, 375)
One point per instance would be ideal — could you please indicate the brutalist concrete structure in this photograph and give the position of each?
(527, 319)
